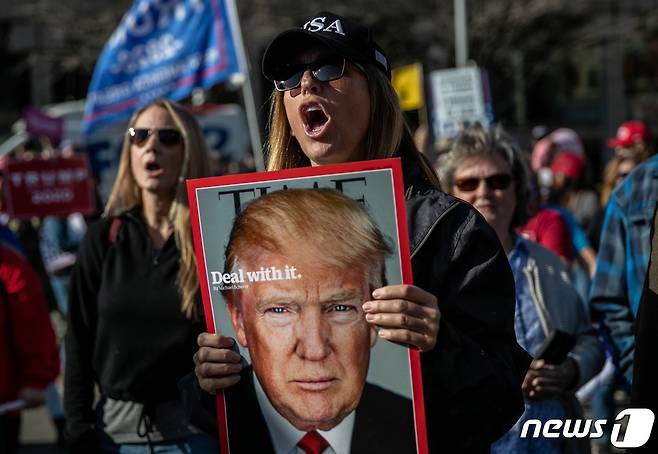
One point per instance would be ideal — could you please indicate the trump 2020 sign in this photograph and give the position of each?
(162, 48)
(48, 187)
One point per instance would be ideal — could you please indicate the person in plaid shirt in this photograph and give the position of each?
(622, 262)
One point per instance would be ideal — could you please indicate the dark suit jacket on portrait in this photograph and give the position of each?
(383, 421)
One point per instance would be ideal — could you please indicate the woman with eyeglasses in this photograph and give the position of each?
(486, 168)
(333, 102)
(133, 312)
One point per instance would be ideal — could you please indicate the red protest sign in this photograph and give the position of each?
(48, 187)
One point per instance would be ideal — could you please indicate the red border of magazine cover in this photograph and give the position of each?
(394, 165)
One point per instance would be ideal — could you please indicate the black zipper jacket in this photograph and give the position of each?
(126, 332)
(472, 379)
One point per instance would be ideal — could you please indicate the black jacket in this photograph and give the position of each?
(472, 379)
(126, 332)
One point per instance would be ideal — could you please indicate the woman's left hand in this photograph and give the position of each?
(405, 314)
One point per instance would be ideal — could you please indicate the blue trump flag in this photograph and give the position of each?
(162, 48)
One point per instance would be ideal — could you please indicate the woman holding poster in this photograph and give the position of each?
(333, 102)
(133, 316)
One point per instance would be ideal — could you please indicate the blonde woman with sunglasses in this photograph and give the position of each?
(133, 313)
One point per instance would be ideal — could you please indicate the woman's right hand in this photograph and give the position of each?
(217, 366)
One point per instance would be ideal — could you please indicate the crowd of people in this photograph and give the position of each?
(511, 255)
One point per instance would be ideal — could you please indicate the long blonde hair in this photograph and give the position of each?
(388, 135)
(610, 176)
(126, 195)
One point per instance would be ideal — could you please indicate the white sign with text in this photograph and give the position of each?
(458, 100)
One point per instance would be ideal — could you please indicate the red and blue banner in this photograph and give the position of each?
(161, 49)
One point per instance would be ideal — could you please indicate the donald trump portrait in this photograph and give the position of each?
(315, 256)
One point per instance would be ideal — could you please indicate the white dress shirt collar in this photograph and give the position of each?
(285, 436)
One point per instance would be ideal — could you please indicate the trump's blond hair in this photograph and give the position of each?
(337, 230)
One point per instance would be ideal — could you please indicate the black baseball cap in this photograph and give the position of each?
(348, 38)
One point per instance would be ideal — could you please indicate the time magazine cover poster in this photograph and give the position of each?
(286, 260)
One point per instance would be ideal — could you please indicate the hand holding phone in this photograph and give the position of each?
(556, 347)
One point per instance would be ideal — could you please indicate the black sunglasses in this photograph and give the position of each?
(165, 136)
(324, 70)
(498, 181)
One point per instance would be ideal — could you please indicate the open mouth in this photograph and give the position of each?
(153, 167)
(315, 119)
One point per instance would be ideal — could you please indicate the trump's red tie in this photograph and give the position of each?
(313, 443)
